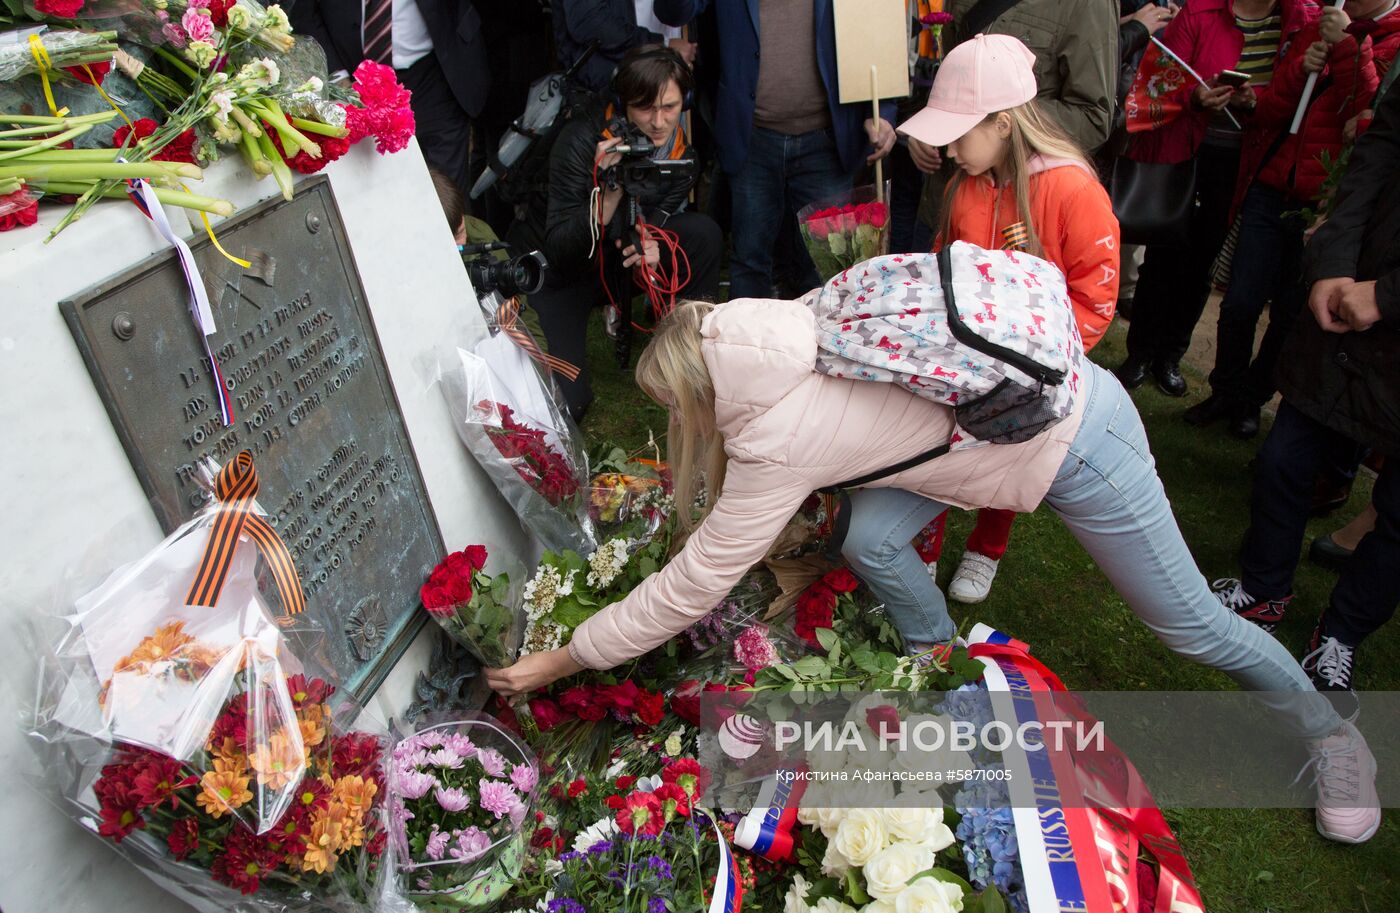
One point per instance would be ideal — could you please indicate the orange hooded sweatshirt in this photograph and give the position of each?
(1074, 219)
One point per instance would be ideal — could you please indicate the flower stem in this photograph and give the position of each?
(57, 139)
(315, 126)
(167, 196)
(101, 117)
(55, 156)
(179, 64)
(89, 171)
(280, 172)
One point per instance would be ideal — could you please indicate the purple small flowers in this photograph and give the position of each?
(444, 757)
(437, 844)
(414, 784)
(565, 905)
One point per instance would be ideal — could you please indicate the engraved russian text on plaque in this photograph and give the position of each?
(312, 400)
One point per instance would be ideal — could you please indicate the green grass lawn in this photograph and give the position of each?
(1048, 592)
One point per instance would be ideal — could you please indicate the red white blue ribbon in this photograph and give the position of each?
(144, 196)
(728, 896)
(767, 829)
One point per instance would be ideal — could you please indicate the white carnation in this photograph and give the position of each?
(597, 832)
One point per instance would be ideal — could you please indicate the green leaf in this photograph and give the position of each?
(854, 890)
(811, 667)
(827, 638)
(941, 874)
(991, 901)
(785, 671)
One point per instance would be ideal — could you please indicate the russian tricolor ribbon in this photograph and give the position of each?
(728, 895)
(144, 196)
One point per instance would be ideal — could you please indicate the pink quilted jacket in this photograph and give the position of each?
(789, 431)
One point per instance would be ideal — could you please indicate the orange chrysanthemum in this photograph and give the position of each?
(356, 793)
(278, 762)
(228, 756)
(168, 641)
(328, 836)
(312, 733)
(221, 791)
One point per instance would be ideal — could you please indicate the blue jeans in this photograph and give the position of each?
(781, 174)
(1108, 494)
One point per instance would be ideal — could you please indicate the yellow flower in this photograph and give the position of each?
(277, 762)
(222, 790)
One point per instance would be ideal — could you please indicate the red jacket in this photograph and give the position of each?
(1344, 89)
(1204, 35)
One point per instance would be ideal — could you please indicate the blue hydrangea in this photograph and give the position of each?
(988, 838)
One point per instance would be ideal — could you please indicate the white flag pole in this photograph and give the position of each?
(1307, 91)
(1194, 75)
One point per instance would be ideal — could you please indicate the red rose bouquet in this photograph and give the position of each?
(475, 609)
(842, 231)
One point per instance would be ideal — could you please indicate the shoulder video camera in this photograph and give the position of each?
(639, 174)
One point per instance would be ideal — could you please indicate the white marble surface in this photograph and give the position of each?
(68, 486)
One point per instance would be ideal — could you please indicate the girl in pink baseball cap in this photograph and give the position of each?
(1021, 183)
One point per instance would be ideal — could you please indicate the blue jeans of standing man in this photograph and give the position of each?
(1108, 494)
(782, 174)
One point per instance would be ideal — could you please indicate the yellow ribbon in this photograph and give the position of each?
(97, 84)
(209, 230)
(41, 58)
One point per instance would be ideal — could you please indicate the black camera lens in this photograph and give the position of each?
(523, 275)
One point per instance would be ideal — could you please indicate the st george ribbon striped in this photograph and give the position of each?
(235, 515)
(377, 31)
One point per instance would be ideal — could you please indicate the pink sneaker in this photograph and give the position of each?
(1344, 771)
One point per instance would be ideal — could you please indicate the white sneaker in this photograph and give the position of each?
(1344, 772)
(973, 581)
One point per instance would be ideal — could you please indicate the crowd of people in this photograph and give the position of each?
(694, 130)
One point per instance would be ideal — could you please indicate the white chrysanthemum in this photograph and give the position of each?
(597, 832)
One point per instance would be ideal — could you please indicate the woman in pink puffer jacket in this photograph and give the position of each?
(747, 405)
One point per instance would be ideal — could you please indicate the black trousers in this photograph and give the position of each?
(443, 128)
(1368, 590)
(1174, 281)
(564, 306)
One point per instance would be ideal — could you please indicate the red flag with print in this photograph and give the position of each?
(1156, 96)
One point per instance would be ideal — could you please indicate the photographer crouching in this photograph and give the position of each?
(619, 177)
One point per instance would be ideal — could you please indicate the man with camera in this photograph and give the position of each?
(619, 178)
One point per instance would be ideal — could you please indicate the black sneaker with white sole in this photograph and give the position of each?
(1266, 613)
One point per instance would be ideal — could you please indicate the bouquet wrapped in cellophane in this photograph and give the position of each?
(176, 722)
(844, 230)
(461, 796)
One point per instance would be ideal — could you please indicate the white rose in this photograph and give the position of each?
(890, 869)
(834, 862)
(860, 835)
(831, 905)
(938, 837)
(908, 825)
(929, 895)
(878, 906)
(795, 901)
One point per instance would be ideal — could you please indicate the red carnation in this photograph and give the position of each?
(59, 9)
(685, 701)
(180, 149)
(577, 788)
(687, 774)
(613, 802)
(651, 707)
(303, 162)
(218, 12)
(674, 800)
(625, 781)
(18, 209)
(641, 814)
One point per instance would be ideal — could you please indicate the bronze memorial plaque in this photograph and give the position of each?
(312, 401)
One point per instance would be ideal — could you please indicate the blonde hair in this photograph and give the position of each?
(672, 371)
(1032, 133)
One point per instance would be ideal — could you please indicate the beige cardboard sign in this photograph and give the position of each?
(872, 33)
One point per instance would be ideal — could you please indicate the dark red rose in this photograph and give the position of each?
(59, 9)
(584, 703)
(476, 556)
(883, 721)
(841, 580)
(547, 713)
